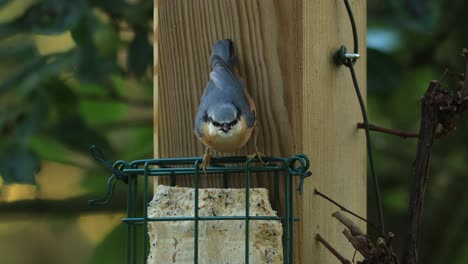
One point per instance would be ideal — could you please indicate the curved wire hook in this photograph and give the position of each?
(110, 192)
(302, 170)
(117, 174)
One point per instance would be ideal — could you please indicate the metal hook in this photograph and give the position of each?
(302, 170)
(110, 192)
(116, 168)
(99, 156)
(352, 56)
(117, 174)
(342, 57)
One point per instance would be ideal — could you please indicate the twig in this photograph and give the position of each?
(399, 133)
(316, 192)
(355, 236)
(353, 228)
(439, 107)
(428, 126)
(342, 259)
(360, 246)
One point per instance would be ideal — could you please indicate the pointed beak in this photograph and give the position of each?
(225, 128)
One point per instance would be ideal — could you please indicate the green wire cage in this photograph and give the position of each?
(136, 175)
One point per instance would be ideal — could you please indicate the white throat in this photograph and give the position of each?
(217, 132)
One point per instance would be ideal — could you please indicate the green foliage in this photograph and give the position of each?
(409, 44)
(59, 97)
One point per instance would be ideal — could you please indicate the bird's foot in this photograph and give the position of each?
(258, 155)
(256, 152)
(206, 160)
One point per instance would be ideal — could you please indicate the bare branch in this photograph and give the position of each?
(316, 192)
(330, 248)
(399, 133)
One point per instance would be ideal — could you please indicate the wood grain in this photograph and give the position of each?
(263, 33)
(305, 102)
(330, 135)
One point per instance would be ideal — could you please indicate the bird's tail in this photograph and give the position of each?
(223, 53)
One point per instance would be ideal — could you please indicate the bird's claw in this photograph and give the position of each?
(258, 155)
(206, 160)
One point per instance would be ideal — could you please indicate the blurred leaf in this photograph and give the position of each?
(87, 61)
(90, 65)
(140, 53)
(74, 132)
(46, 17)
(82, 31)
(38, 69)
(114, 7)
(107, 40)
(19, 123)
(52, 149)
(3, 2)
(22, 74)
(108, 112)
(61, 96)
(34, 117)
(19, 164)
(20, 51)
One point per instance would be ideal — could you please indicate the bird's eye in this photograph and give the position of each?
(233, 123)
(216, 124)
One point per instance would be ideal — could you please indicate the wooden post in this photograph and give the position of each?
(305, 103)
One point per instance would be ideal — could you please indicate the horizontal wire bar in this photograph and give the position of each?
(184, 161)
(209, 170)
(140, 220)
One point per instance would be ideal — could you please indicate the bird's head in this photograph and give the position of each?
(224, 120)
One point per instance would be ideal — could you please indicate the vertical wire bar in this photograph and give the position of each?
(276, 191)
(145, 213)
(195, 212)
(247, 209)
(134, 213)
(291, 215)
(287, 235)
(172, 180)
(284, 223)
(129, 214)
(225, 180)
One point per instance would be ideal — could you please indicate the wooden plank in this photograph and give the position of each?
(305, 102)
(156, 84)
(264, 33)
(330, 113)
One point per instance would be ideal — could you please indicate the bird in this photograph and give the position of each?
(226, 115)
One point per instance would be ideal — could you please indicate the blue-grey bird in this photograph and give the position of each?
(226, 116)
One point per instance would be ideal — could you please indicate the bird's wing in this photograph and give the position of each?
(201, 116)
(231, 88)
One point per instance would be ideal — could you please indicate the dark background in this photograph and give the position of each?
(76, 73)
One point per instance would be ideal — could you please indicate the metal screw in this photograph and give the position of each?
(352, 56)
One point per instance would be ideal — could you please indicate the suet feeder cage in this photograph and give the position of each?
(190, 209)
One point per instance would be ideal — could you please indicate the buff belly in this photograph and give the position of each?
(227, 142)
